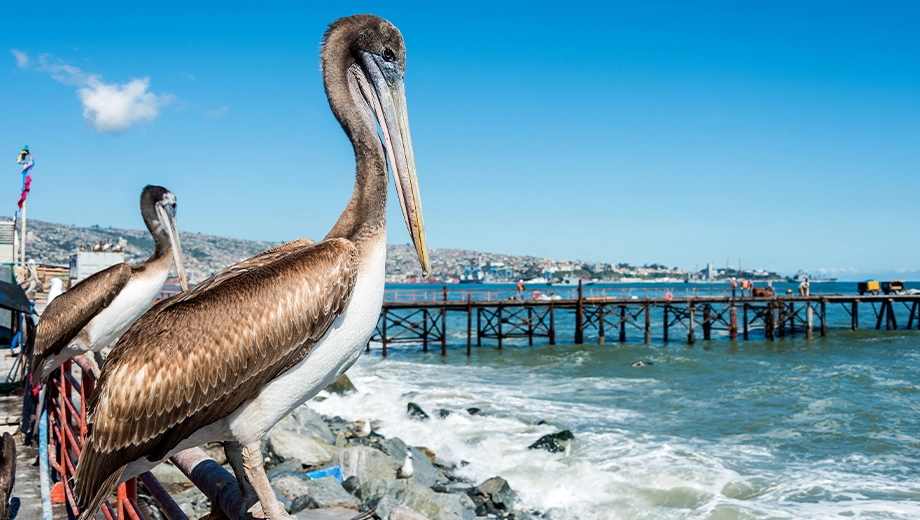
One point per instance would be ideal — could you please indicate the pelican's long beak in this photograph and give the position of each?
(172, 229)
(389, 105)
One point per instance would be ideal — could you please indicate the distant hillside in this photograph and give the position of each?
(205, 255)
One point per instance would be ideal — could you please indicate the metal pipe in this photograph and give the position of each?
(211, 478)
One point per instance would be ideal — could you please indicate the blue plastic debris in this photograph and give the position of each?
(334, 471)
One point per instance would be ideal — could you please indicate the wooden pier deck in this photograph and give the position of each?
(604, 318)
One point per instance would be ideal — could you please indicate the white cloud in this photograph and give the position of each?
(107, 107)
(217, 112)
(113, 107)
(22, 59)
(191, 77)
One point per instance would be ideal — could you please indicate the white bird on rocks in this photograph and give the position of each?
(406, 470)
(365, 430)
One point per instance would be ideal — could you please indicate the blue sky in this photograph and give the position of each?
(786, 134)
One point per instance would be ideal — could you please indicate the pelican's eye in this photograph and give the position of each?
(388, 54)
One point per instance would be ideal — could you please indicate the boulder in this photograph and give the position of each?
(352, 484)
(404, 513)
(365, 463)
(372, 491)
(414, 411)
(334, 513)
(473, 411)
(493, 494)
(341, 386)
(554, 442)
(290, 486)
(309, 449)
(443, 412)
(425, 472)
(313, 423)
(327, 492)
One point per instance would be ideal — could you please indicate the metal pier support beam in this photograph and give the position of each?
(691, 339)
(600, 325)
(622, 324)
(648, 324)
(469, 324)
(579, 317)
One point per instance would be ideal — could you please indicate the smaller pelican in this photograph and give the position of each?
(406, 470)
(97, 311)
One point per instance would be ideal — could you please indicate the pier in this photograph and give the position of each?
(603, 316)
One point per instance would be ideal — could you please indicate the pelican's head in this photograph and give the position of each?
(375, 65)
(163, 204)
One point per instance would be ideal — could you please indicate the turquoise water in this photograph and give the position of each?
(827, 428)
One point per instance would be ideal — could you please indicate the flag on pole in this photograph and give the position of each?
(27, 162)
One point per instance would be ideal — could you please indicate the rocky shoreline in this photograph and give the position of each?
(325, 467)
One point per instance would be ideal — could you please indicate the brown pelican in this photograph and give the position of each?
(228, 359)
(97, 311)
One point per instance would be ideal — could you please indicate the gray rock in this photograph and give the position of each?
(290, 487)
(327, 492)
(301, 503)
(437, 506)
(334, 513)
(473, 411)
(352, 484)
(313, 423)
(404, 513)
(425, 472)
(365, 463)
(554, 442)
(443, 412)
(415, 411)
(171, 478)
(309, 449)
(374, 490)
(288, 467)
(341, 386)
(497, 491)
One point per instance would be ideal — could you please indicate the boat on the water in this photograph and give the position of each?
(801, 276)
(568, 281)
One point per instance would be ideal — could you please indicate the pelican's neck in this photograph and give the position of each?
(161, 243)
(364, 218)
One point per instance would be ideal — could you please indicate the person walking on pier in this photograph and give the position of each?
(520, 290)
(734, 286)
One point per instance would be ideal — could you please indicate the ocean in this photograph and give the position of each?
(791, 428)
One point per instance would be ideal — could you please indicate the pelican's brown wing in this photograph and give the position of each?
(265, 257)
(195, 358)
(67, 314)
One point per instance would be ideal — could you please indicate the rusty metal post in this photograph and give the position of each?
(891, 317)
(499, 311)
(479, 326)
(744, 319)
(469, 325)
(648, 324)
(769, 321)
(666, 322)
(579, 317)
(530, 326)
(854, 315)
(781, 315)
(444, 325)
(823, 318)
(809, 320)
(691, 339)
(552, 324)
(383, 332)
(600, 324)
(732, 322)
(707, 326)
(622, 324)
(425, 330)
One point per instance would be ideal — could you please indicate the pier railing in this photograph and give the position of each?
(597, 314)
(65, 431)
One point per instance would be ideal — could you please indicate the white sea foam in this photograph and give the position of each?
(612, 470)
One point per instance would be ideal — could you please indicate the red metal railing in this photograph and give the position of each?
(67, 424)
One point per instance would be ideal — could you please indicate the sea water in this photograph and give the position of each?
(792, 428)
